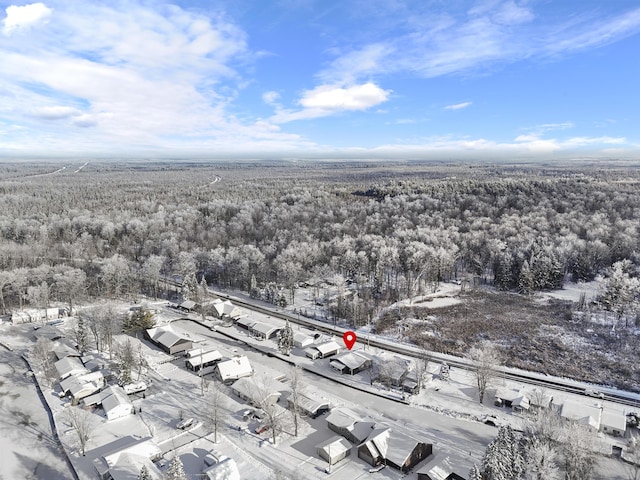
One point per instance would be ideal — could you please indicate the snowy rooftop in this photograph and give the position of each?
(343, 417)
(353, 360)
(225, 469)
(391, 444)
(206, 357)
(237, 366)
(334, 446)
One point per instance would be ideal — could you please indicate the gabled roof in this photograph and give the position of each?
(327, 347)
(335, 446)
(116, 401)
(206, 357)
(614, 419)
(302, 338)
(247, 388)
(165, 335)
(579, 412)
(264, 328)
(234, 367)
(353, 360)
(245, 322)
(343, 417)
(70, 366)
(96, 398)
(311, 405)
(225, 469)
(188, 304)
(392, 445)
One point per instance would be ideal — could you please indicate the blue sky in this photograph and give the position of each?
(441, 79)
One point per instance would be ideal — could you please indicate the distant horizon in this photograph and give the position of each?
(485, 80)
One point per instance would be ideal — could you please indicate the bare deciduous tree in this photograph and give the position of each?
(296, 386)
(484, 360)
(83, 424)
(216, 408)
(43, 354)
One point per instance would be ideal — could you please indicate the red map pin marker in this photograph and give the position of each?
(349, 339)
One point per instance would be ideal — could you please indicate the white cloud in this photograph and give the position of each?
(326, 100)
(458, 106)
(136, 75)
(356, 97)
(477, 39)
(24, 17)
(271, 98)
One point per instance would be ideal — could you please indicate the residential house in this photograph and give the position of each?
(445, 468)
(226, 309)
(334, 449)
(63, 348)
(352, 362)
(246, 389)
(302, 340)
(188, 305)
(224, 469)
(264, 331)
(613, 422)
(207, 359)
(310, 406)
(233, 369)
(588, 415)
(96, 399)
(245, 323)
(349, 424)
(390, 447)
(117, 405)
(323, 350)
(69, 366)
(124, 458)
(168, 340)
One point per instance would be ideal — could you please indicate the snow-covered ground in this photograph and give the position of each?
(28, 448)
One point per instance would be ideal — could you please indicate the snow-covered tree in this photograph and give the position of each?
(577, 446)
(503, 459)
(474, 473)
(190, 287)
(526, 281)
(215, 410)
(285, 339)
(295, 387)
(81, 336)
(620, 289)
(127, 361)
(484, 360)
(144, 474)
(82, 422)
(175, 470)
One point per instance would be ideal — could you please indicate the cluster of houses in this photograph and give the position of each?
(376, 444)
(596, 416)
(40, 315)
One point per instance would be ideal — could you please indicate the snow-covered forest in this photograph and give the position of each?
(386, 231)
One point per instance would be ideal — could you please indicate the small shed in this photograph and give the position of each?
(334, 449)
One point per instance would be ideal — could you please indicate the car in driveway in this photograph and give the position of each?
(186, 423)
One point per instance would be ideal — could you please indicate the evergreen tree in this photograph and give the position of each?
(503, 459)
(176, 470)
(526, 282)
(126, 362)
(144, 474)
(190, 287)
(81, 334)
(285, 339)
(474, 473)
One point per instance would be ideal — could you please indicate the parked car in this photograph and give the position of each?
(590, 392)
(187, 422)
(261, 429)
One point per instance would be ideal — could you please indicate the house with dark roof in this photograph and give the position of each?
(349, 424)
(390, 447)
(351, 362)
(168, 340)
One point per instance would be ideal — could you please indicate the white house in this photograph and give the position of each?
(302, 340)
(226, 309)
(588, 415)
(125, 460)
(613, 422)
(234, 368)
(323, 350)
(69, 366)
(207, 359)
(351, 362)
(169, 340)
(224, 469)
(247, 389)
(117, 405)
(263, 330)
